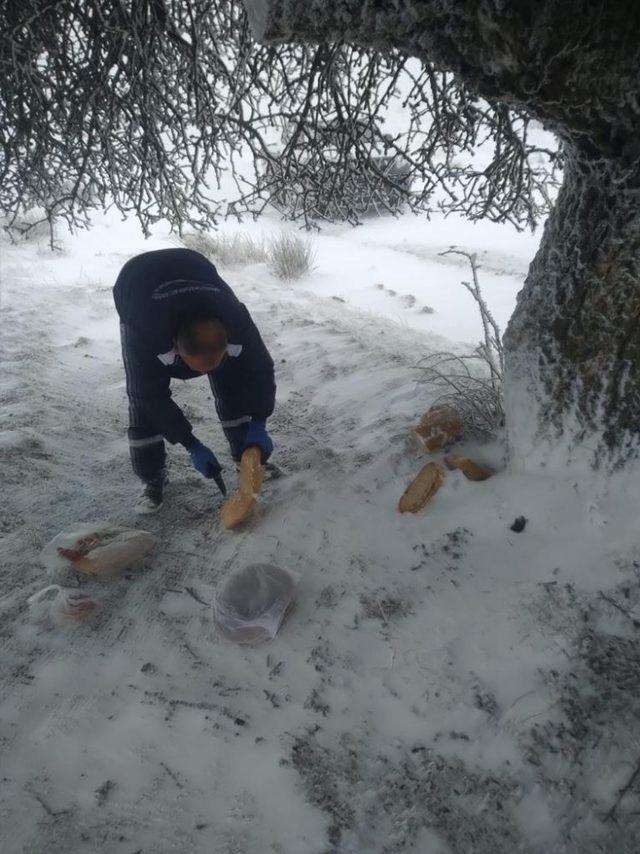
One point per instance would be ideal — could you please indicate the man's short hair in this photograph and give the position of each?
(194, 340)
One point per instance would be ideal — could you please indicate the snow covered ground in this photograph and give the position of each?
(444, 685)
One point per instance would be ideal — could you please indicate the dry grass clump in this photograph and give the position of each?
(289, 256)
(471, 384)
(229, 250)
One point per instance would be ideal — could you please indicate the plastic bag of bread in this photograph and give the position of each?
(55, 605)
(98, 550)
(439, 427)
(250, 604)
(238, 507)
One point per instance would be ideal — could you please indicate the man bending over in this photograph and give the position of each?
(179, 319)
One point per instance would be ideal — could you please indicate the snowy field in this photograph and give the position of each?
(443, 686)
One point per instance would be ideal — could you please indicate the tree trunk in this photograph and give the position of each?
(572, 347)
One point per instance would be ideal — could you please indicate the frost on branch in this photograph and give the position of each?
(170, 98)
(471, 384)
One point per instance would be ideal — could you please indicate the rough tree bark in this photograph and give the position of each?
(572, 347)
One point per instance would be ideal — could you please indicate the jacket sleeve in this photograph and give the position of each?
(256, 374)
(148, 388)
(261, 396)
(244, 386)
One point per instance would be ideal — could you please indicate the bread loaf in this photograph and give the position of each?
(422, 489)
(438, 427)
(470, 469)
(238, 507)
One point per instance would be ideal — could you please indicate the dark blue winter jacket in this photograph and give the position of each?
(152, 293)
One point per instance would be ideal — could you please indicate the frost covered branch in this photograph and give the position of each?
(490, 349)
(472, 383)
(147, 106)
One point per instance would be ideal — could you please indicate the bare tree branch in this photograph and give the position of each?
(149, 104)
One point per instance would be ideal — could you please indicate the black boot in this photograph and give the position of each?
(150, 498)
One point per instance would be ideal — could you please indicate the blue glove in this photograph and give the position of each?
(257, 436)
(206, 462)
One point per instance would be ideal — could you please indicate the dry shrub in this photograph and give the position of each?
(291, 256)
(472, 384)
(229, 250)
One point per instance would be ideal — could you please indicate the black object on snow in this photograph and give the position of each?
(518, 525)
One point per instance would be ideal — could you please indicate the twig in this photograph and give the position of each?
(272, 698)
(622, 792)
(491, 350)
(192, 592)
(103, 791)
(190, 651)
(384, 616)
(475, 396)
(620, 608)
(45, 806)
(521, 697)
(172, 774)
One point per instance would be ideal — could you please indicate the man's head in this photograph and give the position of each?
(201, 343)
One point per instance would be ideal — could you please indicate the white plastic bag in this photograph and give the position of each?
(55, 605)
(252, 601)
(99, 550)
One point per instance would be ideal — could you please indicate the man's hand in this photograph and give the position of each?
(206, 462)
(257, 437)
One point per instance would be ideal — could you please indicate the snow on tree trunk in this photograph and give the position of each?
(572, 347)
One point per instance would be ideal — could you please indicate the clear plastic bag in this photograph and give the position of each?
(252, 601)
(98, 550)
(58, 606)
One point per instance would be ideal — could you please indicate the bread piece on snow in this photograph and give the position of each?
(422, 488)
(470, 469)
(438, 427)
